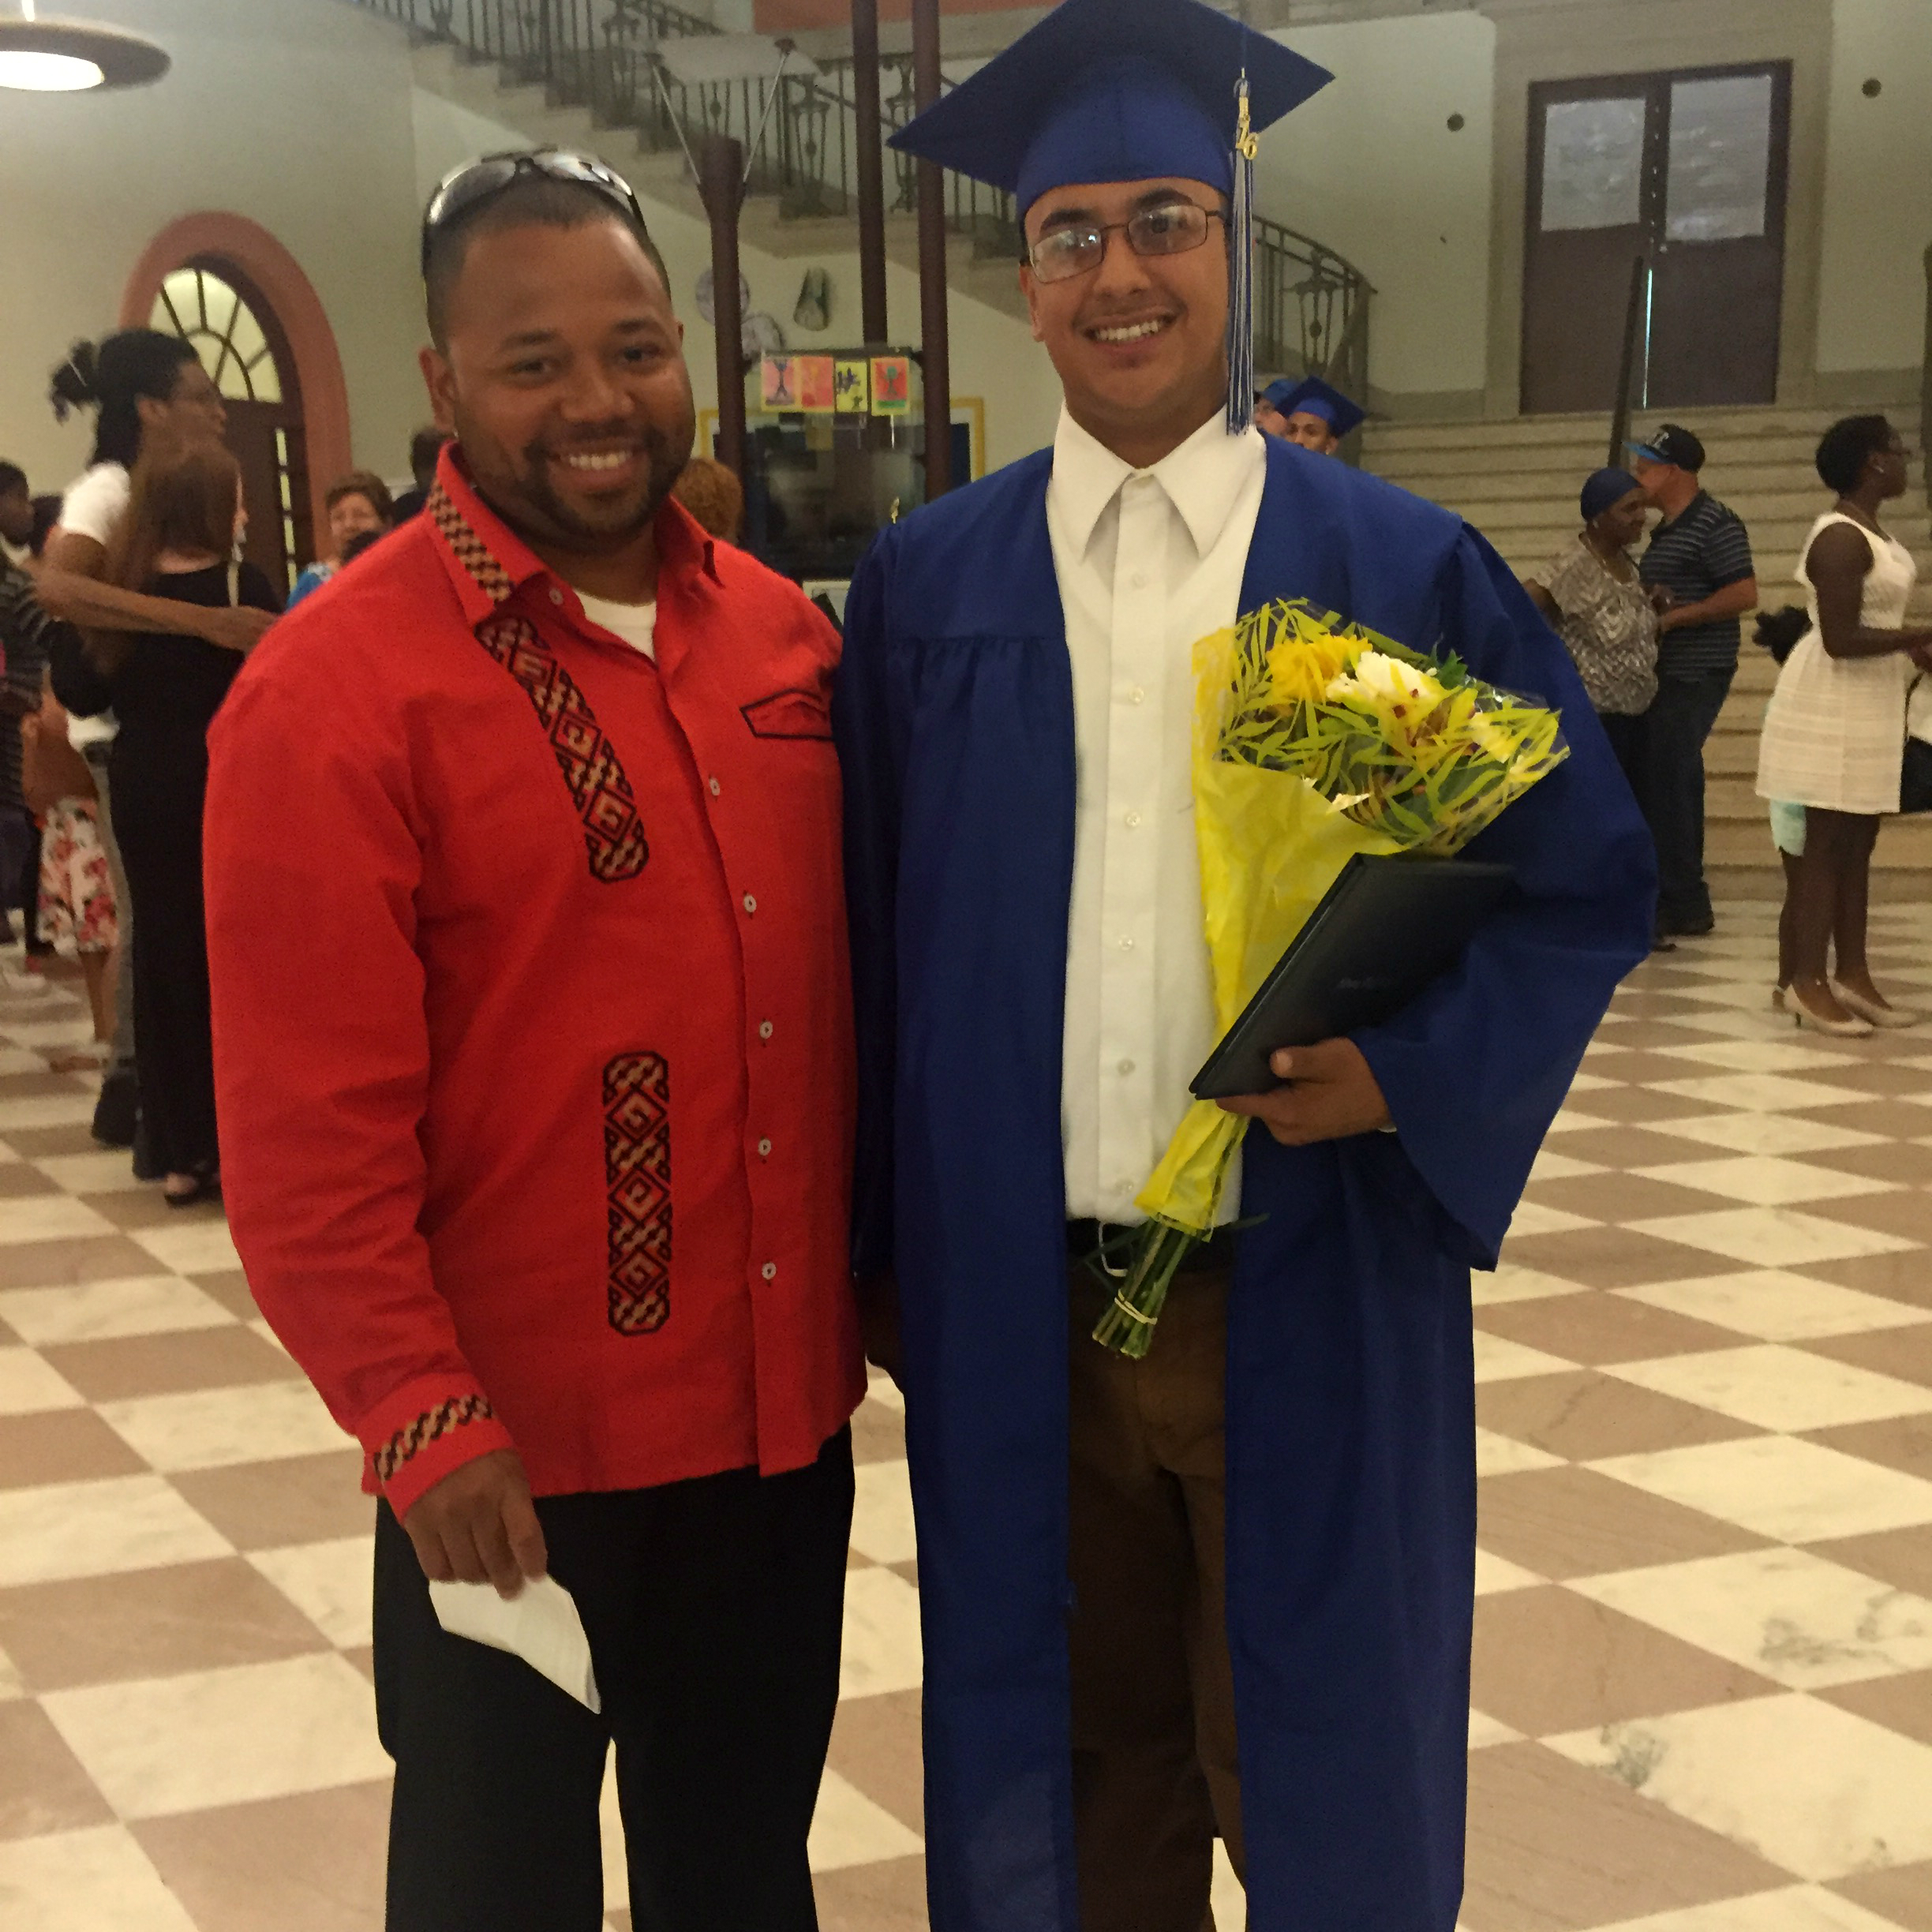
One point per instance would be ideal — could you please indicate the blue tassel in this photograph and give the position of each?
(1241, 353)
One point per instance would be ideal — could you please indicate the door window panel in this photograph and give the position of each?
(1720, 159)
(1592, 164)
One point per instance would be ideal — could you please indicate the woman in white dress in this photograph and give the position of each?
(1834, 735)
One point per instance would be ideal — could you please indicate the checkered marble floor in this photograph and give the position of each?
(1703, 1665)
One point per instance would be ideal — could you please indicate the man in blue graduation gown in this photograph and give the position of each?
(1310, 412)
(1226, 1590)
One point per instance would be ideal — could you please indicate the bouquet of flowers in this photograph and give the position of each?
(1314, 739)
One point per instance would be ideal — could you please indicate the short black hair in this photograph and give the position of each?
(529, 201)
(11, 477)
(1847, 446)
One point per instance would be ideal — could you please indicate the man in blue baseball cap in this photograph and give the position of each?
(1225, 1590)
(1310, 413)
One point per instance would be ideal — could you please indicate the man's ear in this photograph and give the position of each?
(441, 381)
(1030, 289)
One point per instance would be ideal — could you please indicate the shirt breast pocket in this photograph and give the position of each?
(797, 714)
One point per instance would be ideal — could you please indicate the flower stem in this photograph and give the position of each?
(1127, 1326)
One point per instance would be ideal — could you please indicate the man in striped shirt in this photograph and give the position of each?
(1700, 554)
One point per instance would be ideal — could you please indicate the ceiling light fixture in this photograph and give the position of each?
(69, 56)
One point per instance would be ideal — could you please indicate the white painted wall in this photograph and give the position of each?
(1877, 187)
(294, 113)
(1370, 167)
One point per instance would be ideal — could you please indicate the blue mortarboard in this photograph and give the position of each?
(1120, 90)
(1313, 397)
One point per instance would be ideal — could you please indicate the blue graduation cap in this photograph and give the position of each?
(1313, 397)
(1120, 90)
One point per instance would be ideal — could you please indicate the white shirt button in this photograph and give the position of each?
(1126, 945)
(751, 904)
(769, 1270)
(1126, 1067)
(716, 788)
(764, 1150)
(765, 1029)
(1136, 696)
(556, 597)
(1133, 819)
(1139, 580)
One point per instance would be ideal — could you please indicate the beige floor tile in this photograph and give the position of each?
(1891, 1120)
(221, 1737)
(313, 1499)
(106, 1170)
(1794, 1617)
(1507, 1282)
(1900, 1704)
(98, 1880)
(36, 1144)
(1553, 1848)
(882, 1649)
(878, 1434)
(888, 1897)
(206, 1429)
(1905, 1353)
(1497, 1359)
(99, 1311)
(1769, 1134)
(1781, 1237)
(882, 1513)
(18, 1182)
(1779, 1387)
(131, 1208)
(128, 1367)
(1797, 1908)
(29, 1383)
(1776, 1306)
(70, 1109)
(1627, 1200)
(313, 1863)
(330, 1583)
(1904, 1162)
(1611, 1257)
(1864, 1800)
(1552, 1165)
(96, 1529)
(1902, 1558)
(848, 1829)
(61, 1445)
(189, 1616)
(1495, 1575)
(229, 1287)
(1572, 1522)
(49, 1217)
(1596, 1329)
(191, 1245)
(1767, 1056)
(1766, 1180)
(1644, 1106)
(1902, 1895)
(55, 1263)
(1587, 1413)
(1888, 1078)
(1532, 1218)
(1904, 1443)
(1502, 1455)
(1758, 1093)
(1549, 1659)
(43, 1787)
(875, 1747)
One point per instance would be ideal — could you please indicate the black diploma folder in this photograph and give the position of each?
(1387, 928)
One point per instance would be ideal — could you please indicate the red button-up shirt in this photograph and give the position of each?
(531, 1012)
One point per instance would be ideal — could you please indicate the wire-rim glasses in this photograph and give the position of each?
(1166, 228)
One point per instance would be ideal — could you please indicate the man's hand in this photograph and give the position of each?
(1330, 1095)
(235, 627)
(479, 1526)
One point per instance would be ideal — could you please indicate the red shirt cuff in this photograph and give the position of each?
(424, 1431)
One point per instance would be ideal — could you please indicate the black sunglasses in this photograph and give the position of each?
(465, 189)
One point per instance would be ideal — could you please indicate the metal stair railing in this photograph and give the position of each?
(1311, 304)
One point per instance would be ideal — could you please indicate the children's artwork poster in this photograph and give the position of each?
(853, 383)
(815, 383)
(892, 385)
(778, 385)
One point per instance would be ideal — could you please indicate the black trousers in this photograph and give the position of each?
(713, 1609)
(1671, 791)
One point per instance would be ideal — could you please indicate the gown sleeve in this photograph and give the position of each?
(871, 714)
(322, 1058)
(1475, 1070)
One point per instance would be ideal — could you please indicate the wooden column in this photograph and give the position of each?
(869, 155)
(936, 359)
(720, 162)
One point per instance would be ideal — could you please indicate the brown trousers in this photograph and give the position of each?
(1155, 1774)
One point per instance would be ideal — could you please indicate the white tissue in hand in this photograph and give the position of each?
(540, 1624)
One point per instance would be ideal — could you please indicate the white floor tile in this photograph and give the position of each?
(1500, 1360)
(882, 1513)
(880, 1387)
(207, 1428)
(1759, 1093)
(110, 1171)
(848, 1829)
(1484, 1730)
(50, 1217)
(46, 1109)
(29, 1385)
(98, 1881)
(1531, 1218)
(1573, 1120)
(94, 1528)
(1551, 1166)
(1495, 1574)
(1510, 1283)
(194, 1247)
(11, 1685)
(1778, 1387)
(1809, 1787)
(1502, 1455)
(1229, 1900)
(223, 1737)
(882, 1650)
(99, 1311)
(1772, 1237)
(329, 1583)
(1759, 1056)
(1800, 1908)
(1767, 1133)
(1793, 1491)
(1777, 1306)
(1787, 1614)
(1767, 1181)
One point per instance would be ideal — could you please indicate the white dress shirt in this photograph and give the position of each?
(1149, 561)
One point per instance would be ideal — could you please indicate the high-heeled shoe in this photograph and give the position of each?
(1891, 1018)
(1804, 1015)
(1778, 1002)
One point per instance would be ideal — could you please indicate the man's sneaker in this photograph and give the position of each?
(116, 1113)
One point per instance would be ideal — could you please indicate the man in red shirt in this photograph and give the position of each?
(533, 1034)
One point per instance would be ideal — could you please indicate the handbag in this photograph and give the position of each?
(51, 769)
(1915, 776)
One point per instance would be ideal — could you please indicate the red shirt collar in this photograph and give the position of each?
(487, 562)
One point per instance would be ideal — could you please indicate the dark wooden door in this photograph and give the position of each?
(1684, 175)
(267, 443)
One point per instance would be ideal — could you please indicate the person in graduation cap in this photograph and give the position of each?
(1309, 413)
(1225, 1590)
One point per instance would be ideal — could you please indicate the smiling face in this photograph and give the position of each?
(1139, 341)
(349, 516)
(561, 369)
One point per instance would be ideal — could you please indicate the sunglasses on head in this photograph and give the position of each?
(465, 189)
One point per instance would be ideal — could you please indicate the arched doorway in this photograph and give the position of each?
(241, 342)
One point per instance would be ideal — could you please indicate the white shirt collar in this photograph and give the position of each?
(1203, 478)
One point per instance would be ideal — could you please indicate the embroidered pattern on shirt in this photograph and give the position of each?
(414, 1438)
(637, 1164)
(789, 714)
(613, 829)
(471, 551)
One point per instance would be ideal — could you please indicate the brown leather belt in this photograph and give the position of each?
(1215, 1255)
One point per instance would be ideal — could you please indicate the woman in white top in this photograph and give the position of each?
(1834, 735)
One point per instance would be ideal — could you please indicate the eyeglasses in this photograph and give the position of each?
(1167, 228)
(465, 189)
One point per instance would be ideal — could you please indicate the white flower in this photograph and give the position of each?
(1381, 679)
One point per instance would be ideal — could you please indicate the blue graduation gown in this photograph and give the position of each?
(1351, 1424)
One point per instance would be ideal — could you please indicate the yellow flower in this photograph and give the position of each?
(1302, 668)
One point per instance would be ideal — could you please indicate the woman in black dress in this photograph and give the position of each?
(182, 532)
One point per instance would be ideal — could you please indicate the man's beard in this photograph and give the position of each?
(667, 459)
